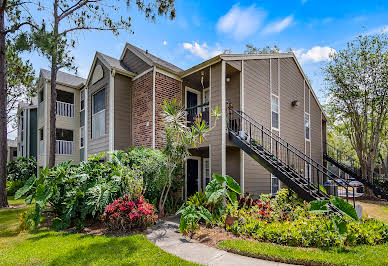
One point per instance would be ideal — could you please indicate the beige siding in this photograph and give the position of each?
(215, 135)
(306, 99)
(100, 144)
(233, 90)
(235, 64)
(134, 63)
(291, 117)
(274, 76)
(123, 112)
(233, 163)
(258, 105)
(316, 131)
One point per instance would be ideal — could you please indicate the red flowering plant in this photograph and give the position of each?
(124, 214)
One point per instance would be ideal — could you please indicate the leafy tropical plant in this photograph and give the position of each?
(74, 192)
(190, 217)
(21, 169)
(220, 186)
(179, 138)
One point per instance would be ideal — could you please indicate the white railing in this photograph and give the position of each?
(65, 109)
(41, 110)
(41, 147)
(64, 147)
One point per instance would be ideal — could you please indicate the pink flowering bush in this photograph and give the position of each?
(124, 214)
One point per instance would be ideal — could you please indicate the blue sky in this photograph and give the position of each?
(202, 29)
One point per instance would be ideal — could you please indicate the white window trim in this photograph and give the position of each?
(278, 112)
(304, 120)
(80, 100)
(93, 137)
(272, 178)
(199, 173)
(204, 173)
(80, 137)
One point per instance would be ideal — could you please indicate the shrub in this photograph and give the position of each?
(152, 165)
(21, 169)
(125, 214)
(75, 192)
(13, 186)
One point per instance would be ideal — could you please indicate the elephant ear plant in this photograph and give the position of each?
(339, 220)
(220, 191)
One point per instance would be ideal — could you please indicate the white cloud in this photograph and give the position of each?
(315, 54)
(164, 42)
(241, 22)
(203, 50)
(278, 26)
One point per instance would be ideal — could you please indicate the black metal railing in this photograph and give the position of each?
(200, 111)
(261, 138)
(343, 158)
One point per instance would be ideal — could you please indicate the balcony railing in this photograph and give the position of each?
(65, 109)
(198, 112)
(64, 147)
(41, 109)
(41, 147)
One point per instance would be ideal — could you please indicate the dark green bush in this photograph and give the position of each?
(152, 165)
(21, 169)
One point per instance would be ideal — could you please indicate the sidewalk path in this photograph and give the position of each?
(166, 235)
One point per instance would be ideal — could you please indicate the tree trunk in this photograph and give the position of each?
(3, 116)
(53, 112)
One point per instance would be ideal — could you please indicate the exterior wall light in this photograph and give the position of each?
(295, 103)
(227, 79)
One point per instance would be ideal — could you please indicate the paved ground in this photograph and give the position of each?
(166, 235)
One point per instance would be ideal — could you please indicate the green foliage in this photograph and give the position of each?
(179, 138)
(220, 186)
(198, 199)
(191, 215)
(13, 186)
(152, 166)
(357, 92)
(75, 192)
(21, 169)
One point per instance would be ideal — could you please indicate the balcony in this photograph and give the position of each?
(197, 112)
(65, 109)
(64, 147)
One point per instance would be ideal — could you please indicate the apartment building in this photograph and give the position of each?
(119, 105)
(68, 119)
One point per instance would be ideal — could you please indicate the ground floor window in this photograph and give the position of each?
(275, 184)
(206, 171)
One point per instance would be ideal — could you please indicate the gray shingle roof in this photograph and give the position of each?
(113, 62)
(156, 60)
(64, 78)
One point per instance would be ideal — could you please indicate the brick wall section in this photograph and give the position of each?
(166, 88)
(142, 110)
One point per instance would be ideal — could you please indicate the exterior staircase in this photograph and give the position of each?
(350, 166)
(295, 169)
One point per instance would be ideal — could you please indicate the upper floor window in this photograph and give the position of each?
(275, 112)
(98, 114)
(307, 125)
(82, 100)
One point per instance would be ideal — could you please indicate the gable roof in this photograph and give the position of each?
(150, 59)
(113, 62)
(64, 78)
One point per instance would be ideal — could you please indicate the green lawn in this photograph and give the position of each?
(360, 255)
(53, 248)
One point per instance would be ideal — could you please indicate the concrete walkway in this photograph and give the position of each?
(166, 235)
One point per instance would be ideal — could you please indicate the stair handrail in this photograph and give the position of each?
(326, 172)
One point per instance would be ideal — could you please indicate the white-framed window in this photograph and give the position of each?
(275, 184)
(82, 137)
(206, 172)
(307, 171)
(275, 112)
(82, 100)
(307, 125)
(98, 114)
